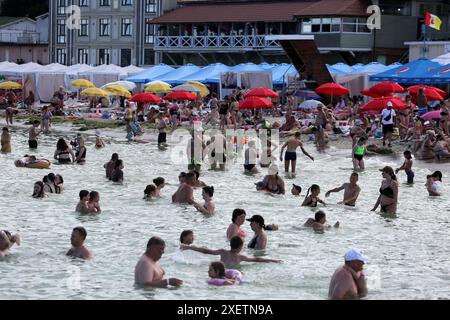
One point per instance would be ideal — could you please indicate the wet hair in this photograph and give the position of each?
(182, 175)
(209, 190)
(319, 215)
(115, 157)
(37, 122)
(5, 129)
(45, 179)
(407, 154)
(81, 231)
(60, 178)
(184, 234)
(149, 189)
(118, 164)
(155, 241)
(158, 181)
(355, 174)
(237, 213)
(93, 194)
(41, 185)
(218, 267)
(190, 175)
(312, 188)
(236, 242)
(83, 193)
(298, 134)
(61, 145)
(436, 174)
(51, 177)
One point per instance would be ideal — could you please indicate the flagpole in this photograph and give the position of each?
(424, 32)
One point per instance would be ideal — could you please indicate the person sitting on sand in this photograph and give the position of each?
(110, 165)
(185, 193)
(313, 199)
(272, 182)
(94, 201)
(209, 206)
(83, 206)
(432, 186)
(351, 191)
(79, 250)
(7, 240)
(231, 258)
(6, 140)
(318, 223)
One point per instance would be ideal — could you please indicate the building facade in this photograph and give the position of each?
(107, 31)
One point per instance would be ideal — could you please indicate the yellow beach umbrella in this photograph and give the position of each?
(117, 90)
(95, 92)
(82, 83)
(204, 89)
(157, 87)
(10, 85)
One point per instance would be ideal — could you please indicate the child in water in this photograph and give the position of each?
(313, 199)
(407, 165)
(221, 277)
(358, 154)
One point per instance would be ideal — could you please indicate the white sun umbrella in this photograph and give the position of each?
(157, 82)
(309, 104)
(186, 87)
(126, 84)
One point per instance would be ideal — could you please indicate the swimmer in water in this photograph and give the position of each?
(83, 206)
(160, 183)
(94, 202)
(351, 191)
(296, 190)
(79, 250)
(110, 165)
(233, 257)
(432, 186)
(209, 206)
(150, 192)
(313, 199)
(259, 241)
(407, 165)
(99, 143)
(187, 237)
(319, 222)
(238, 220)
(388, 198)
(185, 193)
(7, 240)
(217, 271)
(291, 153)
(38, 191)
(272, 182)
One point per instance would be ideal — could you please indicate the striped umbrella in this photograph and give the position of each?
(307, 93)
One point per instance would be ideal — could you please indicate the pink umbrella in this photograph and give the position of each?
(433, 115)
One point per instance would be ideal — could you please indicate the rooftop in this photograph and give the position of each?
(7, 20)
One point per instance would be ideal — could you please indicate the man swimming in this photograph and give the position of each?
(79, 250)
(351, 191)
(291, 154)
(319, 222)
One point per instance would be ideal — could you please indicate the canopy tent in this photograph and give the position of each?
(440, 75)
(133, 70)
(343, 67)
(281, 73)
(173, 77)
(209, 74)
(268, 66)
(151, 74)
(18, 71)
(372, 68)
(247, 67)
(408, 73)
(357, 66)
(49, 80)
(443, 59)
(104, 74)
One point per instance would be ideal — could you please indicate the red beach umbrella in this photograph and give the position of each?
(255, 103)
(145, 98)
(263, 93)
(387, 88)
(381, 103)
(332, 89)
(370, 93)
(414, 90)
(181, 95)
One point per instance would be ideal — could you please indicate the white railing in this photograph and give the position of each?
(19, 37)
(222, 42)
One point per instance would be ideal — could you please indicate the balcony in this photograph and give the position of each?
(20, 37)
(229, 43)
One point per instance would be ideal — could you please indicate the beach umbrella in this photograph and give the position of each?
(381, 103)
(433, 115)
(386, 88)
(145, 98)
(10, 85)
(130, 86)
(413, 90)
(117, 90)
(255, 103)
(157, 87)
(430, 92)
(82, 83)
(186, 87)
(262, 93)
(307, 93)
(181, 95)
(332, 89)
(370, 93)
(309, 104)
(95, 92)
(204, 91)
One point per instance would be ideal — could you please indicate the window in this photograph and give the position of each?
(150, 6)
(104, 27)
(125, 57)
(127, 3)
(84, 28)
(149, 32)
(83, 3)
(104, 56)
(61, 55)
(105, 3)
(357, 25)
(321, 25)
(83, 56)
(149, 57)
(62, 4)
(61, 31)
(127, 27)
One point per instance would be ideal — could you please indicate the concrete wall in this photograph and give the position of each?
(392, 25)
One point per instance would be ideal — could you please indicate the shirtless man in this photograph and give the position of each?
(33, 134)
(348, 281)
(7, 240)
(162, 126)
(351, 192)
(291, 154)
(185, 193)
(230, 258)
(318, 223)
(148, 272)
(79, 250)
(83, 206)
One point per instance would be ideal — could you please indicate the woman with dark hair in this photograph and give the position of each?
(259, 241)
(59, 183)
(150, 192)
(6, 140)
(388, 198)
(238, 220)
(117, 175)
(209, 206)
(63, 152)
(432, 186)
(38, 191)
(49, 183)
(160, 183)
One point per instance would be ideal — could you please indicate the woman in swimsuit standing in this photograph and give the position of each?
(259, 241)
(235, 227)
(388, 198)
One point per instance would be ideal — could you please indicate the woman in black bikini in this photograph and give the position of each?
(259, 241)
(388, 198)
(81, 153)
(63, 152)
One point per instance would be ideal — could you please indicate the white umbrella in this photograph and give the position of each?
(157, 82)
(186, 87)
(126, 84)
(309, 104)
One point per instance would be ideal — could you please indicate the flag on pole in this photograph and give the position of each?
(433, 21)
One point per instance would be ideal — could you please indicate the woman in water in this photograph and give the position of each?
(117, 175)
(99, 143)
(6, 140)
(59, 183)
(160, 183)
(63, 152)
(272, 183)
(49, 183)
(81, 152)
(38, 191)
(259, 241)
(312, 199)
(432, 186)
(388, 198)
(150, 192)
(209, 206)
(235, 227)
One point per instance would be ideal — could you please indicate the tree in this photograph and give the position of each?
(24, 8)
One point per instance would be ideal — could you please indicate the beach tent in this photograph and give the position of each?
(440, 75)
(48, 80)
(133, 70)
(335, 72)
(357, 66)
(18, 71)
(394, 65)
(104, 74)
(268, 66)
(343, 67)
(173, 77)
(409, 73)
(247, 67)
(209, 74)
(281, 73)
(371, 68)
(151, 73)
(443, 59)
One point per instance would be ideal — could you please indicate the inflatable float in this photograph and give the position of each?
(230, 274)
(32, 163)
